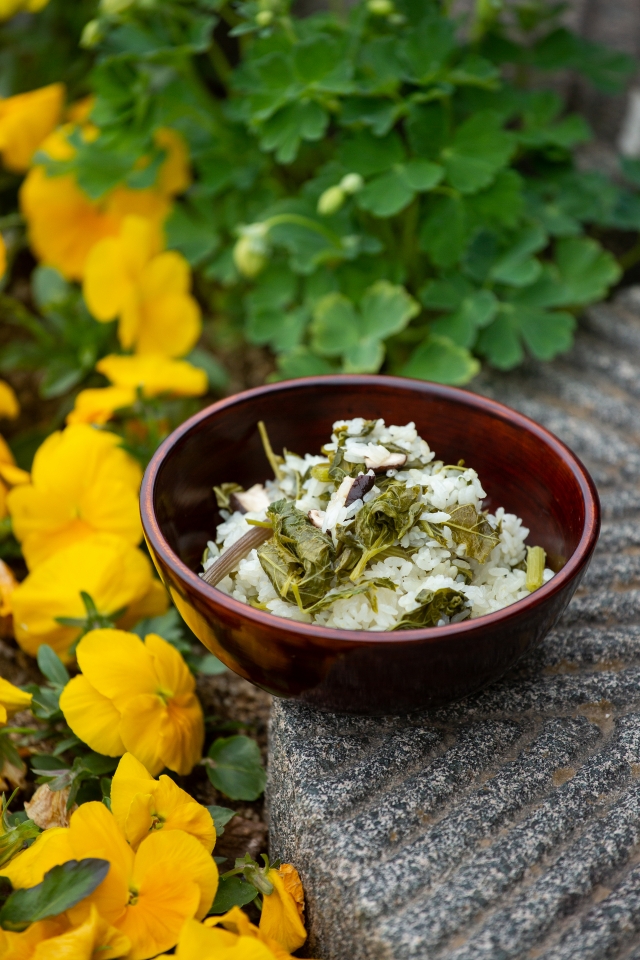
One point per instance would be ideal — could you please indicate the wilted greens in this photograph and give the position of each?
(356, 543)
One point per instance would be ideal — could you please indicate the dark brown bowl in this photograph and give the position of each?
(522, 466)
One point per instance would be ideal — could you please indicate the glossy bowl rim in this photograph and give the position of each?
(310, 632)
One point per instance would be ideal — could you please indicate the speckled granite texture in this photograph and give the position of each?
(507, 825)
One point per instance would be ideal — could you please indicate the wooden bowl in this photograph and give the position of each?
(522, 466)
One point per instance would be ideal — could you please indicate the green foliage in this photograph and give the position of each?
(371, 191)
(63, 886)
(234, 767)
(232, 892)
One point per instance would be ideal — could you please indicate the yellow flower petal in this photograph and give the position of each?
(111, 571)
(29, 943)
(92, 939)
(92, 717)
(175, 175)
(154, 603)
(238, 926)
(200, 942)
(107, 283)
(4, 716)
(12, 698)
(65, 224)
(99, 405)
(8, 584)
(9, 406)
(25, 121)
(175, 846)
(281, 916)
(101, 655)
(93, 832)
(48, 850)
(141, 727)
(83, 483)
(155, 374)
(141, 804)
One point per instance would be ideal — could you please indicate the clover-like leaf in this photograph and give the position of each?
(235, 768)
(518, 267)
(500, 342)
(283, 132)
(369, 155)
(365, 357)
(386, 309)
(386, 195)
(441, 360)
(475, 311)
(480, 149)
(334, 328)
(428, 47)
(586, 270)
(444, 233)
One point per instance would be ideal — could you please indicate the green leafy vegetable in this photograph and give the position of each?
(299, 558)
(384, 520)
(433, 607)
(469, 527)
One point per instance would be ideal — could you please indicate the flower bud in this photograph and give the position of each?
(331, 201)
(91, 35)
(351, 183)
(264, 18)
(380, 8)
(250, 251)
(113, 7)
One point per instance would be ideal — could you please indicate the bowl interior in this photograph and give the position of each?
(519, 468)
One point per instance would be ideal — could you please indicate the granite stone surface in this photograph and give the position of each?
(506, 825)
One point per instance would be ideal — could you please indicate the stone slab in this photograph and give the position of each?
(506, 825)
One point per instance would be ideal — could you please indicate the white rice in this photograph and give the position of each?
(495, 584)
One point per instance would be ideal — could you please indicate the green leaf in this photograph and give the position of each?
(232, 892)
(444, 234)
(427, 128)
(606, 69)
(429, 47)
(386, 309)
(236, 770)
(368, 155)
(433, 606)
(546, 333)
(334, 328)
(63, 886)
(216, 374)
(221, 817)
(501, 204)
(445, 294)
(302, 363)
(191, 233)
(421, 175)
(365, 357)
(386, 195)
(517, 267)
(480, 149)
(500, 342)
(52, 666)
(48, 287)
(283, 132)
(475, 311)
(441, 360)
(586, 270)
(210, 666)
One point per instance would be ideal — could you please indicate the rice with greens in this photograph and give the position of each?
(374, 533)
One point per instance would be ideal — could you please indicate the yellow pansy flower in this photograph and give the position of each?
(12, 700)
(154, 374)
(26, 120)
(229, 937)
(113, 573)
(283, 910)
(148, 291)
(9, 406)
(10, 475)
(82, 483)
(8, 8)
(147, 895)
(64, 223)
(150, 709)
(142, 805)
(59, 939)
